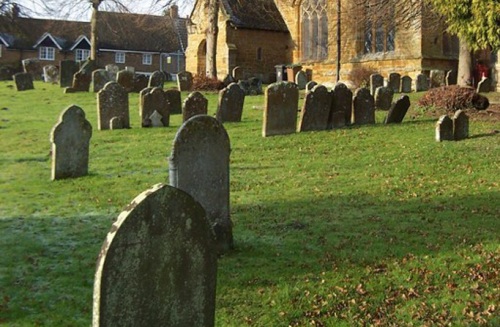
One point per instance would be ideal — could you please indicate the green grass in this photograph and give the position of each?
(359, 226)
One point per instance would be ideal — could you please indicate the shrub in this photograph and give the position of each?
(453, 98)
(204, 83)
(360, 76)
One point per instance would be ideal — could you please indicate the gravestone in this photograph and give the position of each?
(81, 81)
(23, 81)
(301, 79)
(141, 98)
(406, 82)
(70, 139)
(112, 102)
(126, 79)
(154, 101)
(34, 67)
(460, 125)
(173, 97)
(398, 110)
(437, 78)
(376, 80)
(444, 129)
(50, 74)
(280, 109)
(116, 123)
(230, 106)
(157, 265)
(484, 85)
(184, 81)
(383, 97)
(315, 110)
(112, 71)
(238, 73)
(130, 69)
(251, 86)
(421, 83)
(451, 77)
(156, 119)
(68, 69)
(140, 82)
(194, 104)
(199, 165)
(99, 78)
(157, 79)
(310, 85)
(341, 102)
(363, 107)
(394, 82)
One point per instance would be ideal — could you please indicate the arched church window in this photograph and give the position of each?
(314, 28)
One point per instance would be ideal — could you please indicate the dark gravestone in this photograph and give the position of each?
(251, 86)
(444, 129)
(238, 73)
(398, 110)
(451, 77)
(158, 264)
(316, 110)
(363, 107)
(68, 69)
(383, 97)
(230, 107)
(157, 79)
(310, 85)
(33, 67)
(99, 78)
(341, 102)
(376, 80)
(154, 102)
(112, 103)
(394, 82)
(173, 98)
(50, 74)
(406, 82)
(280, 109)
(140, 82)
(421, 83)
(70, 139)
(460, 125)
(126, 79)
(23, 81)
(81, 81)
(199, 165)
(194, 104)
(484, 85)
(141, 98)
(301, 79)
(184, 81)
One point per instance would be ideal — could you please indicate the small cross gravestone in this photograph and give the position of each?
(444, 129)
(315, 110)
(230, 106)
(112, 103)
(70, 139)
(154, 101)
(398, 110)
(194, 104)
(23, 81)
(460, 125)
(383, 97)
(280, 109)
(363, 107)
(341, 102)
(376, 80)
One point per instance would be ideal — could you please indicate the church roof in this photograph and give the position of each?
(254, 14)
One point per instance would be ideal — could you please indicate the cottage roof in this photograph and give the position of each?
(254, 14)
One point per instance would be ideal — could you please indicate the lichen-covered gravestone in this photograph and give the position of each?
(173, 98)
(376, 80)
(23, 81)
(184, 81)
(437, 78)
(50, 74)
(199, 165)
(394, 82)
(70, 139)
(363, 107)
(112, 102)
(158, 264)
(341, 110)
(460, 125)
(68, 69)
(157, 79)
(230, 106)
(195, 104)
(406, 82)
(383, 97)
(315, 110)
(444, 129)
(99, 78)
(154, 102)
(280, 109)
(398, 110)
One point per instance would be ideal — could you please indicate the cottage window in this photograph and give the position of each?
(314, 28)
(380, 32)
(47, 53)
(82, 54)
(120, 57)
(147, 59)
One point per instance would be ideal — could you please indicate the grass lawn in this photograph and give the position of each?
(367, 225)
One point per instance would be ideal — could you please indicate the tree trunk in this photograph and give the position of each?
(211, 34)
(464, 65)
(94, 37)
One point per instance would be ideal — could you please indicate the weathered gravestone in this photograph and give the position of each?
(199, 165)
(280, 109)
(70, 139)
(81, 82)
(460, 125)
(112, 103)
(238, 73)
(437, 78)
(173, 98)
(310, 85)
(484, 85)
(230, 106)
(194, 104)
(394, 82)
(126, 79)
(251, 86)
(141, 98)
(140, 82)
(34, 67)
(112, 71)
(23, 81)
(68, 69)
(154, 102)
(398, 110)
(157, 79)
(315, 110)
(158, 264)
(406, 82)
(383, 97)
(301, 79)
(444, 129)
(376, 80)
(99, 78)
(451, 77)
(421, 83)
(50, 74)
(341, 110)
(363, 107)
(184, 81)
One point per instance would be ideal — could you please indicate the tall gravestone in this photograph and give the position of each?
(315, 110)
(363, 107)
(199, 165)
(376, 80)
(341, 106)
(126, 79)
(155, 110)
(157, 79)
(70, 139)
(230, 106)
(460, 125)
(157, 265)
(383, 97)
(194, 104)
(301, 79)
(394, 82)
(99, 78)
(406, 82)
(398, 110)
(68, 68)
(173, 98)
(444, 129)
(184, 81)
(421, 83)
(23, 81)
(112, 104)
(141, 98)
(280, 109)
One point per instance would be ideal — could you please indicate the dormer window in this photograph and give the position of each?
(47, 53)
(82, 54)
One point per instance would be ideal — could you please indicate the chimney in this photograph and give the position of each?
(174, 11)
